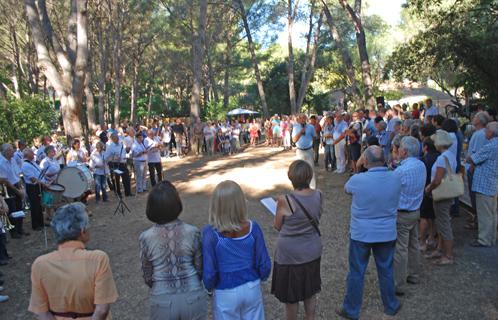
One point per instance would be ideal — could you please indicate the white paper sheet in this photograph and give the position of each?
(270, 204)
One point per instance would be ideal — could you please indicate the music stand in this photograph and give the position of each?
(121, 207)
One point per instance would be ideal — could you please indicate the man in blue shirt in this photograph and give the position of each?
(485, 186)
(303, 135)
(373, 229)
(412, 174)
(339, 135)
(477, 141)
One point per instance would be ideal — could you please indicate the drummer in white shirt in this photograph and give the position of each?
(154, 157)
(139, 153)
(50, 170)
(32, 175)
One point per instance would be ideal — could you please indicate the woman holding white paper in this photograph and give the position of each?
(296, 268)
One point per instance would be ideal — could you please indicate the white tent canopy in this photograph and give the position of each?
(241, 111)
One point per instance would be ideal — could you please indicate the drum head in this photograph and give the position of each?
(74, 181)
(56, 188)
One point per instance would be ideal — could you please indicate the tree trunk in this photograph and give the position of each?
(149, 103)
(355, 15)
(90, 104)
(69, 81)
(226, 77)
(117, 66)
(290, 60)
(16, 66)
(197, 55)
(346, 57)
(254, 59)
(310, 59)
(134, 93)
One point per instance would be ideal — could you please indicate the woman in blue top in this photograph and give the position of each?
(235, 258)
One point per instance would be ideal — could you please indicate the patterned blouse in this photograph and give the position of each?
(171, 257)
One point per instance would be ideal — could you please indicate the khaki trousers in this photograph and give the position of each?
(307, 155)
(487, 219)
(407, 256)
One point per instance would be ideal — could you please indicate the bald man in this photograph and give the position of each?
(372, 230)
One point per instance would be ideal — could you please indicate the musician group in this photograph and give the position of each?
(29, 175)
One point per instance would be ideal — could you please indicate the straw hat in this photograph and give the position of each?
(442, 139)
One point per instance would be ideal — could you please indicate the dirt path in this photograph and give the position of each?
(468, 290)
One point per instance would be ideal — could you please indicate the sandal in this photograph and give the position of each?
(436, 254)
(444, 261)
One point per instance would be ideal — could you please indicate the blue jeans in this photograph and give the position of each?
(100, 187)
(329, 156)
(359, 254)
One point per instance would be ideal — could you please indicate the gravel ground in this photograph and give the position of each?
(467, 290)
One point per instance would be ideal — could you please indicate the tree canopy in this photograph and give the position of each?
(118, 61)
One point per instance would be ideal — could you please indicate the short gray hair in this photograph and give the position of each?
(411, 146)
(483, 118)
(374, 156)
(69, 221)
(493, 127)
(6, 147)
(26, 152)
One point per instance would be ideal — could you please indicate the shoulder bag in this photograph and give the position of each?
(312, 221)
(451, 186)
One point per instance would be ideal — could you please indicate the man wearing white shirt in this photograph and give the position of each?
(32, 175)
(154, 157)
(9, 177)
(139, 153)
(115, 154)
(430, 111)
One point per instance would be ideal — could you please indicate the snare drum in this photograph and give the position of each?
(76, 180)
(52, 195)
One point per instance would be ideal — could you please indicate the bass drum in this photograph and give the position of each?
(76, 180)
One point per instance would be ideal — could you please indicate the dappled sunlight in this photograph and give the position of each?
(257, 176)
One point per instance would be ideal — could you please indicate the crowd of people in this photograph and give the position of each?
(417, 156)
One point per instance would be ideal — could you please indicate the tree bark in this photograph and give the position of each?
(197, 55)
(290, 60)
(69, 82)
(310, 59)
(254, 59)
(226, 77)
(134, 92)
(117, 65)
(346, 57)
(361, 42)
(90, 104)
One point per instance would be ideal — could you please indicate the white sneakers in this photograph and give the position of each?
(3, 298)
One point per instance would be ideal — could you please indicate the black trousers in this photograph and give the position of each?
(15, 204)
(155, 168)
(34, 197)
(4, 256)
(125, 176)
(316, 148)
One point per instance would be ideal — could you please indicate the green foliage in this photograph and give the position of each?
(458, 49)
(391, 94)
(25, 119)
